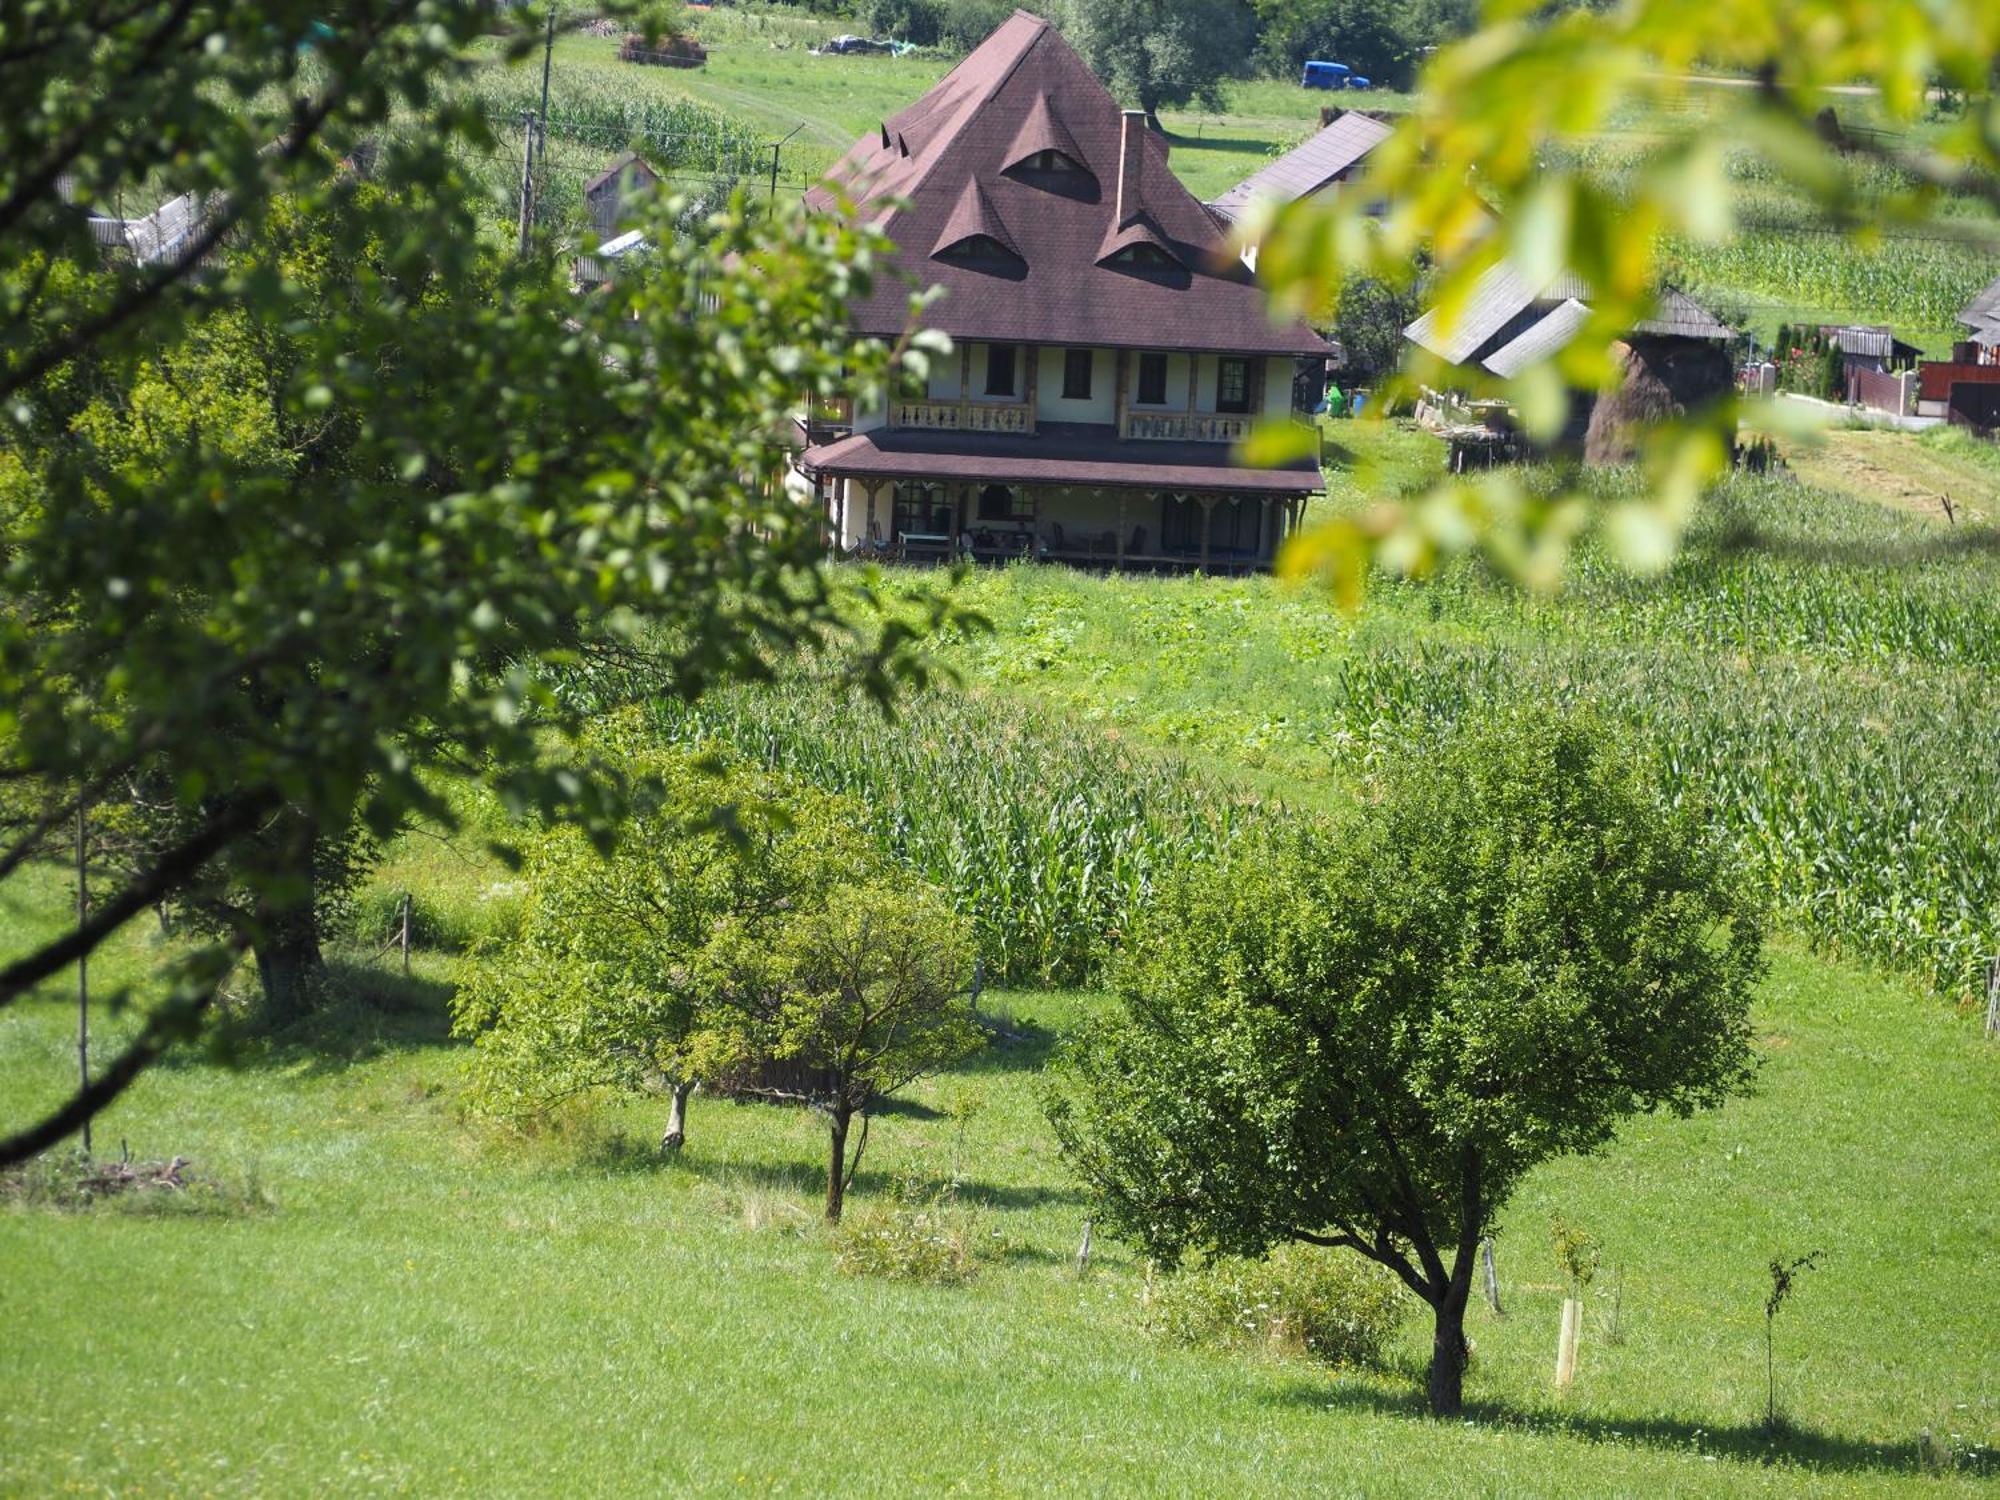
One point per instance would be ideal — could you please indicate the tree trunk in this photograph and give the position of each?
(289, 964)
(676, 1135)
(836, 1165)
(1447, 1380)
(284, 930)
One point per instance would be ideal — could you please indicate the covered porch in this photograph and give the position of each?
(1089, 502)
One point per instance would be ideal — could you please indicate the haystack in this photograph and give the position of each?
(1662, 378)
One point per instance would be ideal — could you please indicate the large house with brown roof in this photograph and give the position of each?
(1110, 351)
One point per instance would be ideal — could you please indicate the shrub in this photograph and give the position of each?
(919, 1236)
(1336, 1308)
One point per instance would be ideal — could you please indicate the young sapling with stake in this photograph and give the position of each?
(1577, 1254)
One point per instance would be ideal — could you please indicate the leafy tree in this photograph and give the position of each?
(1159, 52)
(1469, 179)
(611, 980)
(281, 639)
(744, 931)
(1369, 323)
(863, 995)
(1370, 36)
(1363, 1034)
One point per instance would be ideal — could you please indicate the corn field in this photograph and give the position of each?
(594, 113)
(1907, 282)
(1044, 838)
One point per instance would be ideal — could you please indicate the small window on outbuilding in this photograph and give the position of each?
(1152, 380)
(1076, 375)
(999, 369)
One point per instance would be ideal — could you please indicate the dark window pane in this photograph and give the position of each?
(1076, 375)
(1000, 370)
(1152, 380)
(1232, 385)
(996, 503)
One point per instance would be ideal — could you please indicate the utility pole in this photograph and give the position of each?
(776, 146)
(542, 125)
(527, 177)
(82, 970)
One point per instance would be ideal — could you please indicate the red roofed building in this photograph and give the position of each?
(1110, 350)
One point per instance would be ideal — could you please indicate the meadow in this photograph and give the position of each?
(376, 1289)
(380, 1294)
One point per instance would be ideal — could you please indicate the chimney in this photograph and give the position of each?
(1131, 164)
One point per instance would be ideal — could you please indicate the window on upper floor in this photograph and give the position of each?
(1232, 385)
(1076, 374)
(999, 369)
(1048, 161)
(1152, 380)
(1143, 257)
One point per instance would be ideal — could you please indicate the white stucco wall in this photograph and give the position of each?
(1102, 405)
(1278, 387)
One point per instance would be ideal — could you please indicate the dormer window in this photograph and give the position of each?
(1049, 161)
(1143, 257)
(976, 249)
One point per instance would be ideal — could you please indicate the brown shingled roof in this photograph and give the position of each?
(1021, 91)
(972, 216)
(1057, 453)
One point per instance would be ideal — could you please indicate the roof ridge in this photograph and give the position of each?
(979, 98)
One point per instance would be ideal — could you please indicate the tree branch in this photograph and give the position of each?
(160, 1032)
(168, 873)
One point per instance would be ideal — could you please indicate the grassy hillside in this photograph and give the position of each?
(386, 1297)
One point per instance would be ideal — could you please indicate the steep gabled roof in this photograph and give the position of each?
(630, 167)
(973, 217)
(1306, 169)
(1024, 90)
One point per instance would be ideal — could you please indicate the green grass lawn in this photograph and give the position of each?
(391, 1298)
(761, 73)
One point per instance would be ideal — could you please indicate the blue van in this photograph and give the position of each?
(1325, 75)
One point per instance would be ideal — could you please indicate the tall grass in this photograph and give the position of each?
(1045, 838)
(1820, 672)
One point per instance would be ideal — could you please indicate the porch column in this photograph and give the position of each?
(1033, 354)
(1207, 520)
(1194, 385)
(1035, 533)
(1121, 531)
(839, 515)
(1123, 389)
(873, 534)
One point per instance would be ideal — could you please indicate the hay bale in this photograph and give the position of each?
(1662, 377)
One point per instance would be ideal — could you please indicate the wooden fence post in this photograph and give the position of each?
(1992, 998)
(404, 934)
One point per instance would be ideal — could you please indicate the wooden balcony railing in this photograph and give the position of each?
(1188, 427)
(964, 416)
